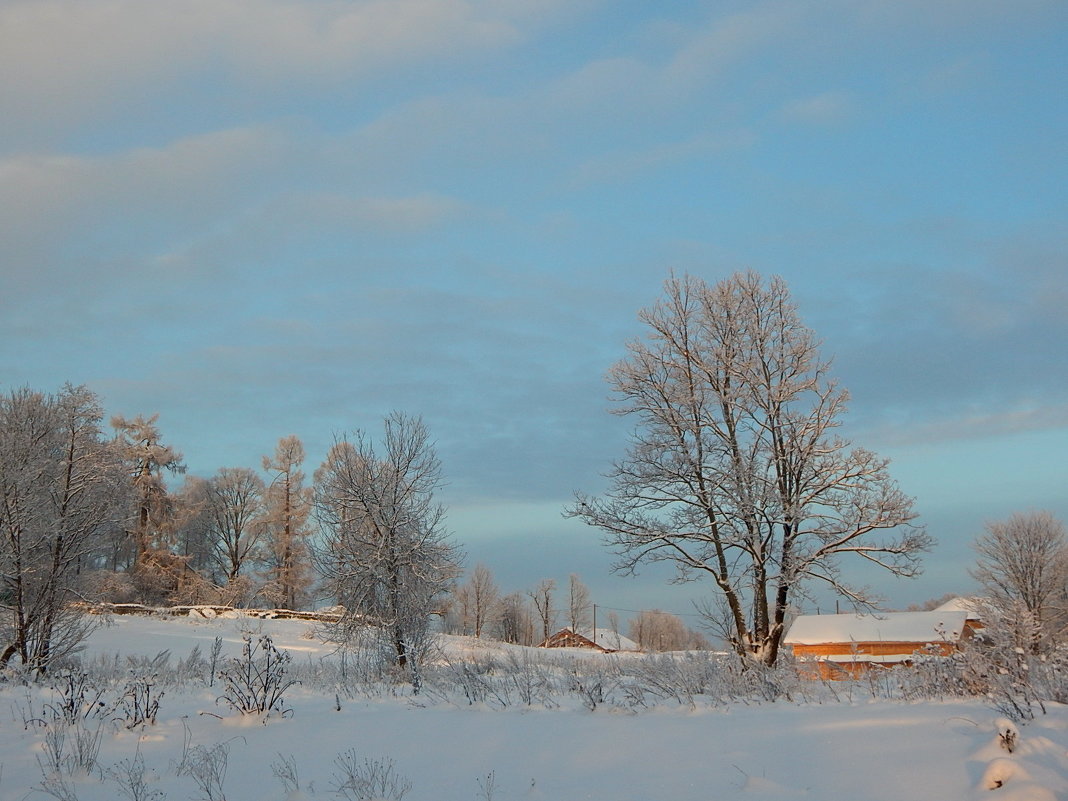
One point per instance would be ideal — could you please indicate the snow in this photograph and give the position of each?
(919, 627)
(844, 658)
(975, 607)
(606, 638)
(832, 751)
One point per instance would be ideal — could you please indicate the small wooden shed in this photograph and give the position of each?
(604, 640)
(847, 646)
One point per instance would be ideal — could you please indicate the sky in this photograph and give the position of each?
(268, 217)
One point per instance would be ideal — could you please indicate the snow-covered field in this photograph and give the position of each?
(849, 749)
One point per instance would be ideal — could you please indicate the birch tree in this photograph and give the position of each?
(735, 472)
(388, 558)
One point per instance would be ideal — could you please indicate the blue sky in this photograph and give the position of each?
(264, 217)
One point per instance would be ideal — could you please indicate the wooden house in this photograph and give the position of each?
(847, 646)
(605, 641)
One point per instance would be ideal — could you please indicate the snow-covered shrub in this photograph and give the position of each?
(748, 679)
(76, 698)
(130, 776)
(255, 682)
(531, 682)
(285, 770)
(999, 664)
(369, 780)
(934, 675)
(594, 681)
(476, 681)
(139, 703)
(55, 784)
(67, 750)
(207, 767)
(194, 669)
(365, 664)
(677, 677)
(1018, 684)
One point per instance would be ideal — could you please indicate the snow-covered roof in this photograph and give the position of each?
(606, 638)
(612, 640)
(973, 606)
(919, 627)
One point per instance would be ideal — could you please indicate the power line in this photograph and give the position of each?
(643, 611)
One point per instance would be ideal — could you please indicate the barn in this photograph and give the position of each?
(847, 646)
(605, 641)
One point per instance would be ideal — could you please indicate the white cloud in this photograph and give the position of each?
(394, 214)
(976, 425)
(49, 203)
(826, 108)
(624, 165)
(69, 60)
(725, 41)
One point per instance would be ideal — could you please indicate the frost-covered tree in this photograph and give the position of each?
(289, 504)
(515, 623)
(656, 630)
(735, 472)
(62, 488)
(1022, 566)
(237, 514)
(388, 558)
(193, 537)
(147, 458)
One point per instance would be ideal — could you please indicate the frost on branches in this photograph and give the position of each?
(734, 472)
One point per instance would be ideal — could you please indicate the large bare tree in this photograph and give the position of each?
(544, 605)
(62, 488)
(237, 515)
(1022, 566)
(735, 472)
(388, 557)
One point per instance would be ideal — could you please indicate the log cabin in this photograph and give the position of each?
(848, 646)
(605, 641)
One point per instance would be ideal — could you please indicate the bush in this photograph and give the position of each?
(256, 680)
(371, 780)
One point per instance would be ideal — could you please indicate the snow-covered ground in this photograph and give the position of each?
(853, 749)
